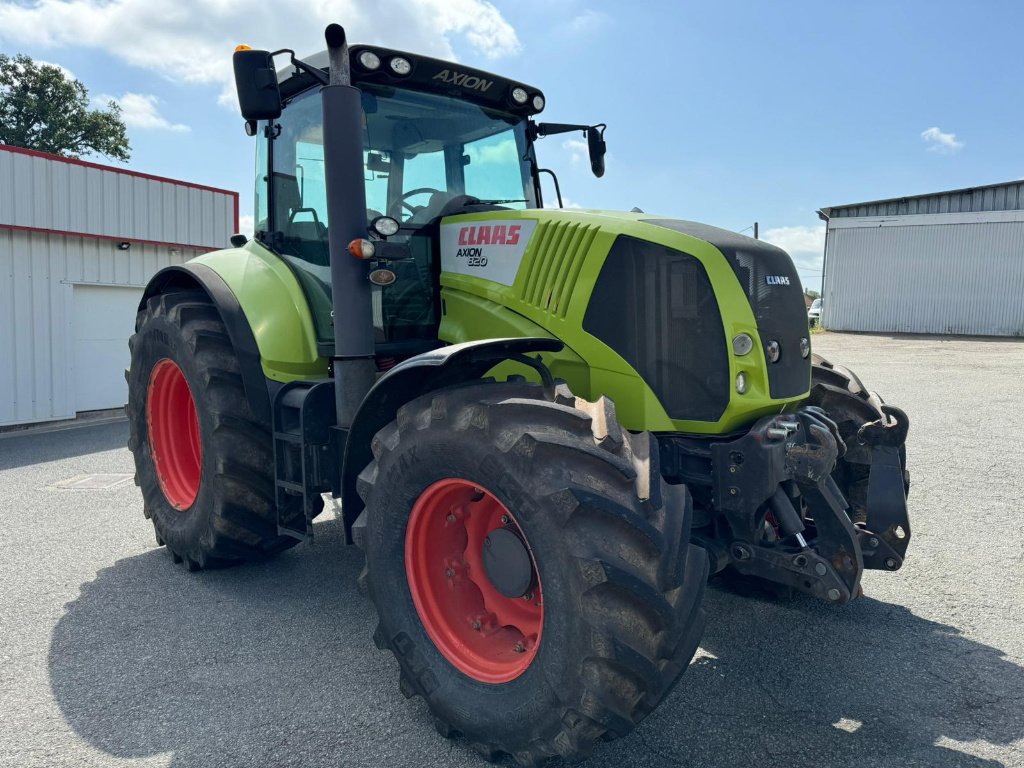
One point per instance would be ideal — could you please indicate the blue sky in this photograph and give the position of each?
(724, 112)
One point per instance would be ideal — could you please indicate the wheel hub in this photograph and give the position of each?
(507, 563)
(474, 581)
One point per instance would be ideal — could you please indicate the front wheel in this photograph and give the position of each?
(531, 570)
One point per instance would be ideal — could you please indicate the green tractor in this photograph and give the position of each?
(546, 427)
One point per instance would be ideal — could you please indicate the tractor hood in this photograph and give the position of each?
(638, 295)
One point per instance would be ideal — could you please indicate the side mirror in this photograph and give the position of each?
(256, 83)
(597, 148)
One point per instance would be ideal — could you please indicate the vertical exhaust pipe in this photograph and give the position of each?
(354, 367)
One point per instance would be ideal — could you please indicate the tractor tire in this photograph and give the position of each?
(563, 500)
(850, 404)
(204, 463)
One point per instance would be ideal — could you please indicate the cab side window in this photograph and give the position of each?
(423, 175)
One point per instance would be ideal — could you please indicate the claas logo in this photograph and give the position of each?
(497, 234)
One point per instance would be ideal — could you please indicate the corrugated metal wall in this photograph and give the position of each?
(996, 197)
(959, 275)
(37, 277)
(46, 193)
(60, 224)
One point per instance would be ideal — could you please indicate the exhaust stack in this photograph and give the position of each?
(354, 367)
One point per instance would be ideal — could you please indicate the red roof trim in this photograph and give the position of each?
(112, 169)
(111, 238)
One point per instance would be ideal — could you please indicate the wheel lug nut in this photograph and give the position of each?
(528, 596)
(477, 625)
(451, 518)
(504, 519)
(449, 573)
(519, 648)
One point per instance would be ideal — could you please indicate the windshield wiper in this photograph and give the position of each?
(497, 202)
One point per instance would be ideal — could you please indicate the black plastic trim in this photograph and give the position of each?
(257, 391)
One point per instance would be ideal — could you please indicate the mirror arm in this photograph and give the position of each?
(550, 129)
(315, 72)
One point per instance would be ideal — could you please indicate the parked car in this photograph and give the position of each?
(814, 313)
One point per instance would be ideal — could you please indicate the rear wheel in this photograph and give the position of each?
(531, 570)
(203, 461)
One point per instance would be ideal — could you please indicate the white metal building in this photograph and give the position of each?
(78, 242)
(944, 263)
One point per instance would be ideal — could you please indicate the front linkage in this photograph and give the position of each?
(775, 510)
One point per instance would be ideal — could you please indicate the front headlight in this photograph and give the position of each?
(742, 344)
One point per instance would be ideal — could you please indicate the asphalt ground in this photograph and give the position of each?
(110, 655)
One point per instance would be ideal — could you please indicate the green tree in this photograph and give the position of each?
(41, 108)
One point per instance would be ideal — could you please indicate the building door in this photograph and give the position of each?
(104, 318)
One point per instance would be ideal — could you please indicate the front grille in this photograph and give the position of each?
(778, 304)
(656, 308)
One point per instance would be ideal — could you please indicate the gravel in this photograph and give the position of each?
(112, 656)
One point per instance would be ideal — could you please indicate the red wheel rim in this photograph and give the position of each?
(484, 634)
(174, 434)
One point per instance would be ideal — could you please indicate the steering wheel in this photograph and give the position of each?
(414, 209)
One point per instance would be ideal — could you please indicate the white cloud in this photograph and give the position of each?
(139, 110)
(191, 41)
(589, 22)
(246, 225)
(941, 142)
(577, 149)
(64, 70)
(797, 239)
(566, 203)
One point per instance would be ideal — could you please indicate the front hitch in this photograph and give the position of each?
(761, 480)
(785, 517)
(886, 535)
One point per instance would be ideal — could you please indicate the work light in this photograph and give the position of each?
(400, 66)
(385, 226)
(369, 59)
(519, 95)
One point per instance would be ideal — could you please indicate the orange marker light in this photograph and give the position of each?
(361, 249)
(242, 48)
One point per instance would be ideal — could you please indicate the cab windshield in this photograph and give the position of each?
(424, 156)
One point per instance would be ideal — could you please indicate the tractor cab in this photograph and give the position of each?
(436, 141)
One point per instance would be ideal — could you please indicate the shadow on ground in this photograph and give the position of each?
(22, 449)
(272, 664)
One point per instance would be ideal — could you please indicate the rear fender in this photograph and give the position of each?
(266, 311)
(191, 276)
